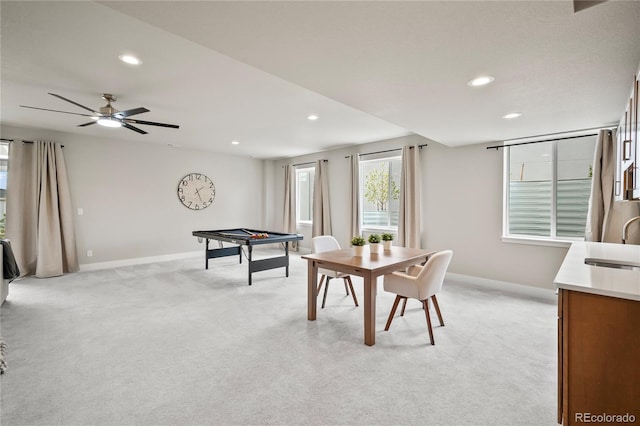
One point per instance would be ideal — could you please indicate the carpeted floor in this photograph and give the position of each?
(173, 344)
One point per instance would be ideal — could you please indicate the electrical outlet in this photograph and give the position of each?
(89, 253)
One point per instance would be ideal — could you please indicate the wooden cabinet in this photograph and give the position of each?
(627, 184)
(598, 357)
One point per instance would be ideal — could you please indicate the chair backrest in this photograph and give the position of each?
(431, 276)
(325, 243)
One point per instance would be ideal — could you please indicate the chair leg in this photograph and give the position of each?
(435, 303)
(326, 287)
(346, 289)
(426, 312)
(393, 311)
(353, 293)
(320, 285)
(404, 305)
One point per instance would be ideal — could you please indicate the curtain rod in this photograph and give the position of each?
(497, 147)
(23, 141)
(307, 163)
(387, 150)
(12, 140)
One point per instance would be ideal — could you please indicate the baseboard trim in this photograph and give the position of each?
(519, 289)
(138, 261)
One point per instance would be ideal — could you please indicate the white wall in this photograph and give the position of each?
(131, 210)
(128, 191)
(462, 210)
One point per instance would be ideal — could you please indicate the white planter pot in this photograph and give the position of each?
(387, 245)
(357, 250)
(374, 247)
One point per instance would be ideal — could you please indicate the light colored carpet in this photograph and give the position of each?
(173, 344)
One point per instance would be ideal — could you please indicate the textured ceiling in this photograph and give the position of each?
(253, 71)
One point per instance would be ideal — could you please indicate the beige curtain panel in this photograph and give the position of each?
(605, 217)
(410, 215)
(39, 216)
(321, 208)
(354, 196)
(289, 217)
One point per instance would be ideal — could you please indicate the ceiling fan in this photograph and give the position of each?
(108, 116)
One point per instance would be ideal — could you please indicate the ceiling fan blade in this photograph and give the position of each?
(75, 103)
(135, 129)
(151, 123)
(56, 110)
(87, 124)
(129, 112)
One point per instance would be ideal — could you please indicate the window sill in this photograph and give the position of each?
(305, 223)
(537, 241)
(380, 229)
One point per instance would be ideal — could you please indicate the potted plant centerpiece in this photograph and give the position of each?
(387, 239)
(358, 245)
(374, 243)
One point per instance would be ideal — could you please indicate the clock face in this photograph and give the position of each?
(196, 191)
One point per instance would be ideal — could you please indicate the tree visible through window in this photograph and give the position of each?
(380, 192)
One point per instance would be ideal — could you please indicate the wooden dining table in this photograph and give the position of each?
(369, 266)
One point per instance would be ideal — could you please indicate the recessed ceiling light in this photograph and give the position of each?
(130, 59)
(312, 117)
(481, 81)
(235, 143)
(512, 115)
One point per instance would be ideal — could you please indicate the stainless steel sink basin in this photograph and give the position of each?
(609, 263)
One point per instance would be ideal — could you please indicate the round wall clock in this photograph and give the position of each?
(196, 191)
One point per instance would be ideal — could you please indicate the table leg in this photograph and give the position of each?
(286, 253)
(206, 255)
(312, 290)
(249, 256)
(370, 290)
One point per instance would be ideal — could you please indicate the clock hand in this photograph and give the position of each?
(198, 192)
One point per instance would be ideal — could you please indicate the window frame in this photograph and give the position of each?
(298, 171)
(553, 240)
(369, 229)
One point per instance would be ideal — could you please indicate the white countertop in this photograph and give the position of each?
(575, 275)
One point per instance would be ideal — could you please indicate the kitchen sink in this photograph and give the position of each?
(610, 263)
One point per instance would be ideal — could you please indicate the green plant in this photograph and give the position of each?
(377, 186)
(357, 241)
(374, 238)
(387, 237)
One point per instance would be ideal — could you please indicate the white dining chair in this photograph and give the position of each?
(323, 243)
(421, 283)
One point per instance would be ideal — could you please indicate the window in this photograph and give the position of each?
(380, 193)
(304, 194)
(4, 161)
(548, 188)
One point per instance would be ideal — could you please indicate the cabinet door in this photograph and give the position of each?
(618, 191)
(635, 135)
(601, 349)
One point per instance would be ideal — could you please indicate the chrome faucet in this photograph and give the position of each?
(625, 227)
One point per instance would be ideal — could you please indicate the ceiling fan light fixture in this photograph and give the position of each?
(130, 59)
(109, 122)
